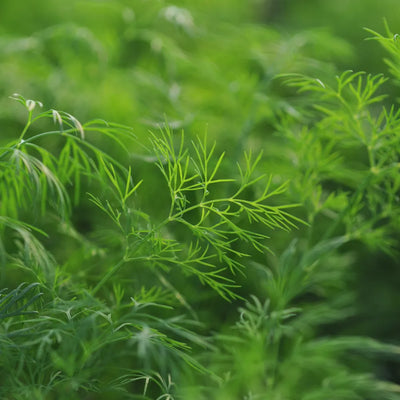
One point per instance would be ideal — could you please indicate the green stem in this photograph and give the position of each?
(28, 124)
(108, 275)
(126, 259)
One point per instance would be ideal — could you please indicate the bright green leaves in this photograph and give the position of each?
(390, 42)
(123, 271)
(31, 173)
(20, 247)
(37, 173)
(341, 150)
(30, 106)
(206, 171)
(221, 223)
(352, 139)
(213, 209)
(352, 92)
(123, 191)
(218, 221)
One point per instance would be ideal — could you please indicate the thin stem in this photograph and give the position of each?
(28, 124)
(126, 258)
(108, 275)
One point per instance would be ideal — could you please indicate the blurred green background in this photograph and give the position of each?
(194, 64)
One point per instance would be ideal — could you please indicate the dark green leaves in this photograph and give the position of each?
(17, 301)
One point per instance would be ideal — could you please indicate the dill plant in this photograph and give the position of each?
(109, 292)
(292, 338)
(113, 318)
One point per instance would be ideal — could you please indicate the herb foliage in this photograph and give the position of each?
(154, 262)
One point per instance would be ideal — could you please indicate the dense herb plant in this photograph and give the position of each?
(88, 337)
(355, 144)
(138, 265)
(341, 146)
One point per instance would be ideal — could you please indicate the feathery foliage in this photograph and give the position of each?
(259, 261)
(85, 318)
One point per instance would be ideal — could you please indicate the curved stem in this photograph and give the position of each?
(28, 124)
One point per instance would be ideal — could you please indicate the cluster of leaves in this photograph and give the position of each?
(355, 143)
(59, 347)
(88, 337)
(342, 150)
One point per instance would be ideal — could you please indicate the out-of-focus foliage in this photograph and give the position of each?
(144, 259)
(343, 19)
(140, 62)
